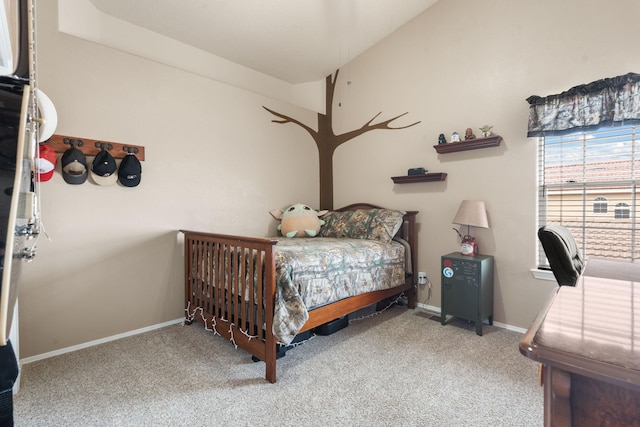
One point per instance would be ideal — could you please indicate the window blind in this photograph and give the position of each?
(588, 182)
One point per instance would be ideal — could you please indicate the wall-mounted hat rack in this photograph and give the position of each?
(91, 147)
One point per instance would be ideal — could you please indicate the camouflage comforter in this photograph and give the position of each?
(312, 272)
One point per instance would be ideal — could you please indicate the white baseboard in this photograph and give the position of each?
(429, 308)
(437, 311)
(96, 342)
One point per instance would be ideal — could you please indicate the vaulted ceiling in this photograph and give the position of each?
(295, 41)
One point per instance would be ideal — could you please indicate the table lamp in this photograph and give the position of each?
(471, 213)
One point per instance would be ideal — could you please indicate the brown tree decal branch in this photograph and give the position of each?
(327, 141)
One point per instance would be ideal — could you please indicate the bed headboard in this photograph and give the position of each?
(408, 230)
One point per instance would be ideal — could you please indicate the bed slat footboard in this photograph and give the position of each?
(224, 277)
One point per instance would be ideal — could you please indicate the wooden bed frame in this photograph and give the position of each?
(216, 283)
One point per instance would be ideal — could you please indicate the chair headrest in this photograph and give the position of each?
(563, 253)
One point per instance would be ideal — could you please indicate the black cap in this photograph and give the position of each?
(130, 171)
(74, 166)
(103, 169)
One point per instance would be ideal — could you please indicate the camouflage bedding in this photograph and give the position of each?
(312, 272)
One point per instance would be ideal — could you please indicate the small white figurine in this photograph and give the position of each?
(455, 137)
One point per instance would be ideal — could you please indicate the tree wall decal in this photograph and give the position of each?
(327, 141)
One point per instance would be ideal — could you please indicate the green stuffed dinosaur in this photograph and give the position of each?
(299, 220)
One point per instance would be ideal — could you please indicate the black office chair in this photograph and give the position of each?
(562, 251)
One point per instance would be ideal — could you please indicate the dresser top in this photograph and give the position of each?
(592, 329)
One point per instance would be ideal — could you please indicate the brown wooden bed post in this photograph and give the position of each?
(409, 233)
(270, 340)
(187, 285)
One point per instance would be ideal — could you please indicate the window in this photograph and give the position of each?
(589, 151)
(600, 205)
(622, 211)
(579, 174)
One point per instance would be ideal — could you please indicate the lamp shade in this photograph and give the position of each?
(472, 213)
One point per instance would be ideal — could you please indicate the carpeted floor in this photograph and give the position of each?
(395, 368)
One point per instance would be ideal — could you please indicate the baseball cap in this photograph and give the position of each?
(103, 169)
(130, 171)
(45, 162)
(74, 166)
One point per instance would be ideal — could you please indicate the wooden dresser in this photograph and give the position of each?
(587, 339)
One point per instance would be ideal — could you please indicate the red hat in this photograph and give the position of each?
(45, 163)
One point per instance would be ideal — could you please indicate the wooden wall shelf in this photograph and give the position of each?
(423, 177)
(89, 147)
(470, 144)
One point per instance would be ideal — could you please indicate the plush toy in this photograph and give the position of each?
(299, 220)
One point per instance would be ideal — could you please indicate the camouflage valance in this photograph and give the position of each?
(605, 102)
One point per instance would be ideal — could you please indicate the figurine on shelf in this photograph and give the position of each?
(469, 134)
(486, 130)
(442, 139)
(455, 137)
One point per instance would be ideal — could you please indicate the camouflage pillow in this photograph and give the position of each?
(371, 224)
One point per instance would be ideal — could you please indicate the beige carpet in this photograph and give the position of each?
(395, 368)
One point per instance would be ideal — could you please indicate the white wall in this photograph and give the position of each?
(466, 64)
(214, 161)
